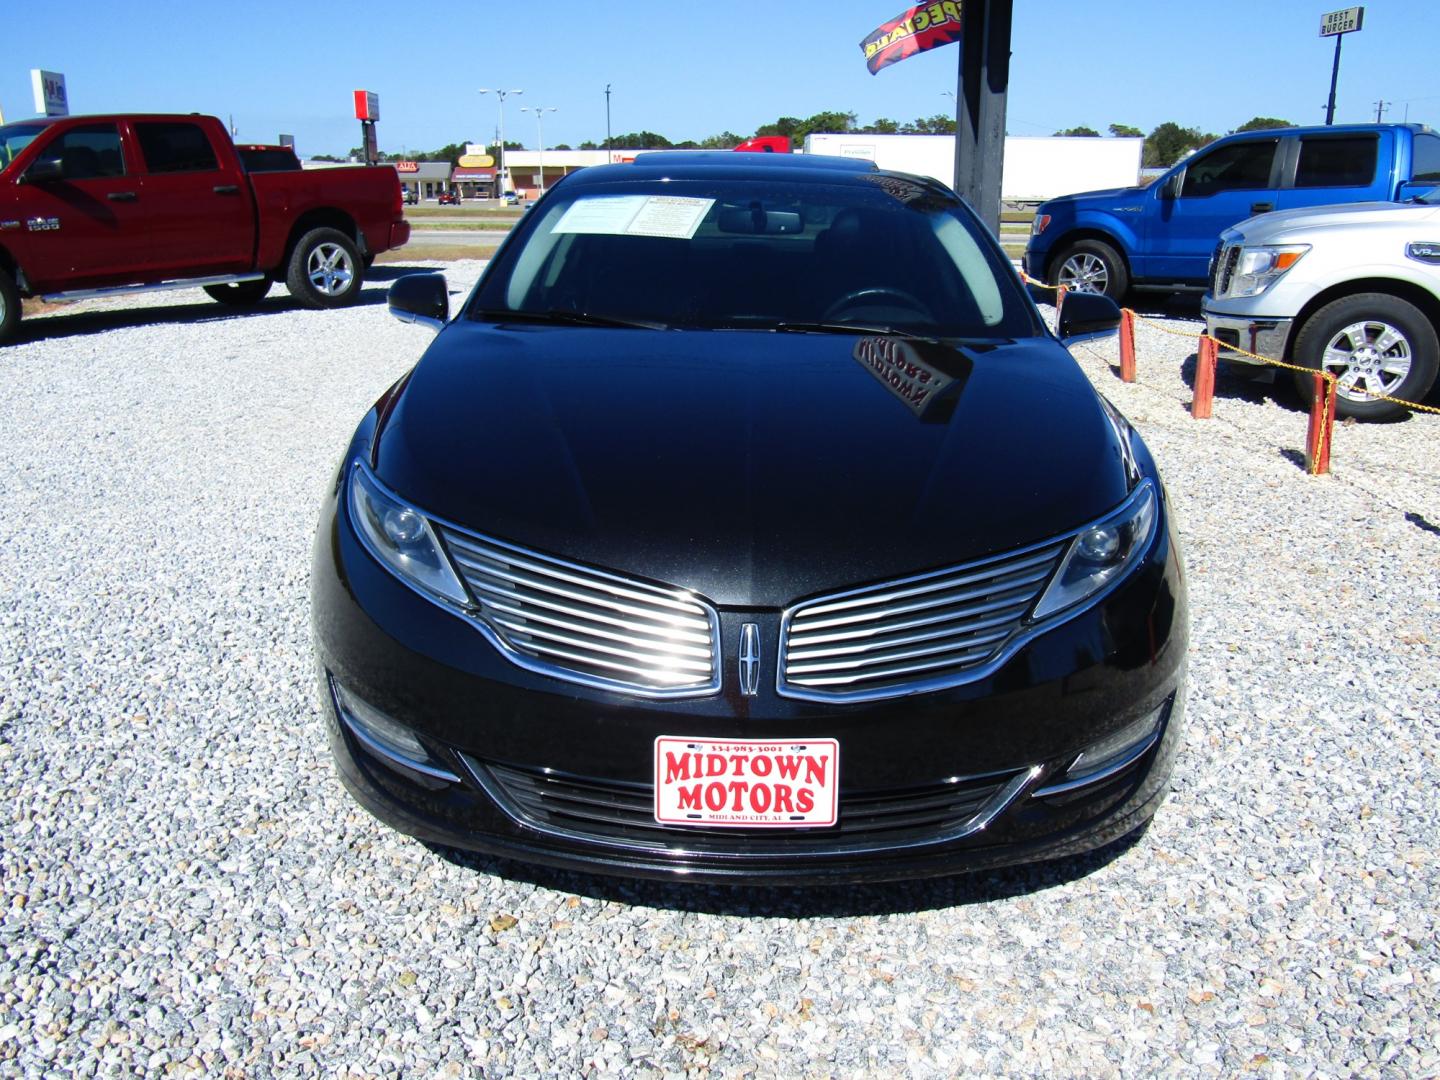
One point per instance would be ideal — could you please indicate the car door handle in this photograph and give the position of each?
(122, 196)
(1261, 207)
(227, 189)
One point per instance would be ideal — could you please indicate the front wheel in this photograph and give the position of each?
(325, 270)
(1091, 266)
(239, 293)
(9, 307)
(1373, 343)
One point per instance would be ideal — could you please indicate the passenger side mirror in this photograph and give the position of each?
(45, 171)
(1086, 316)
(1171, 187)
(1414, 190)
(421, 298)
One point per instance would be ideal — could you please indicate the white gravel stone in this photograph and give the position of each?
(186, 889)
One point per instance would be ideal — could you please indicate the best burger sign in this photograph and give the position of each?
(745, 784)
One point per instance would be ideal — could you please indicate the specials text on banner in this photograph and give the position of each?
(915, 30)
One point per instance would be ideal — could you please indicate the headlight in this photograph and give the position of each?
(1261, 267)
(401, 539)
(1100, 554)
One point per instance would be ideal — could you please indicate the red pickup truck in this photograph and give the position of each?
(93, 205)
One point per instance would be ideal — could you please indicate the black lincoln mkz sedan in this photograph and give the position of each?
(746, 524)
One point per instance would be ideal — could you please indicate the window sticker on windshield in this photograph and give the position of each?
(673, 216)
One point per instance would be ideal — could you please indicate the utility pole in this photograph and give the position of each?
(1381, 108)
(608, 148)
(980, 107)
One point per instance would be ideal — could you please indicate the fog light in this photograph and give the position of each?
(1112, 754)
(386, 737)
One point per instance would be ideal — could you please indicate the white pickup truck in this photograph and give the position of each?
(1354, 290)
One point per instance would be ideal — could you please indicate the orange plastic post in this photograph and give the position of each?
(1202, 406)
(1322, 427)
(1127, 345)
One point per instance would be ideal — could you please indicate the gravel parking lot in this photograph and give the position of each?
(186, 889)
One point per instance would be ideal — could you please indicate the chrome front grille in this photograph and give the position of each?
(1226, 259)
(910, 635)
(587, 625)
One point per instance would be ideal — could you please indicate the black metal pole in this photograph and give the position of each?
(1334, 79)
(608, 147)
(980, 107)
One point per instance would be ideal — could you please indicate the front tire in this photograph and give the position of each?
(239, 293)
(325, 270)
(1091, 266)
(9, 307)
(1371, 342)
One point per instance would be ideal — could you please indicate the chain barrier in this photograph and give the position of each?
(1317, 451)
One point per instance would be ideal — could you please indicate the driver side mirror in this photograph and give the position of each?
(44, 171)
(421, 298)
(1171, 188)
(1086, 316)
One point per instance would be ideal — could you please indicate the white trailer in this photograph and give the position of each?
(1036, 168)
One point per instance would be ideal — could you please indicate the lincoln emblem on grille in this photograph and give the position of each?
(749, 659)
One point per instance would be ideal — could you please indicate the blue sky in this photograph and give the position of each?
(689, 69)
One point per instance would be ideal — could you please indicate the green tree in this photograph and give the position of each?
(939, 124)
(881, 126)
(1263, 123)
(642, 140)
(1087, 132)
(561, 146)
(726, 140)
(588, 145)
(1169, 142)
(1125, 131)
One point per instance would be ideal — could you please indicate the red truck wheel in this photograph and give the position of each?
(325, 270)
(9, 308)
(239, 293)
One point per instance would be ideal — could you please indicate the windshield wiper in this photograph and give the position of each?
(846, 328)
(572, 318)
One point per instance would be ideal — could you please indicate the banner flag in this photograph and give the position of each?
(915, 30)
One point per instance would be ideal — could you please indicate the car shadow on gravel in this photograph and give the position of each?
(60, 324)
(792, 902)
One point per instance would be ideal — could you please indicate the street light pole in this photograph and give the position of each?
(502, 95)
(608, 148)
(539, 111)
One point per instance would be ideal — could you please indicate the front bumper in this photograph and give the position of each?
(558, 774)
(1254, 334)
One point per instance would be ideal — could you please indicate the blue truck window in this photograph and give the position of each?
(1336, 161)
(1427, 157)
(1240, 166)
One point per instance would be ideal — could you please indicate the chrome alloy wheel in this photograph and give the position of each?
(1367, 358)
(330, 269)
(1084, 272)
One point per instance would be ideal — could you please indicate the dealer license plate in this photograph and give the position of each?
(746, 785)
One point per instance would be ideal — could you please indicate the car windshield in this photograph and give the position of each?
(14, 138)
(870, 252)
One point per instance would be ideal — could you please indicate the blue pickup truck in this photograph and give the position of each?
(1161, 237)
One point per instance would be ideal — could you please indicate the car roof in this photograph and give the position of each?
(726, 164)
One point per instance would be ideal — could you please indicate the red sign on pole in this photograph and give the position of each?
(367, 105)
(914, 30)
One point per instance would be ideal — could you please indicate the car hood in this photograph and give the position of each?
(755, 468)
(1124, 196)
(1265, 227)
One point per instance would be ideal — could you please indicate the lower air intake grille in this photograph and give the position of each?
(902, 636)
(587, 625)
(609, 810)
